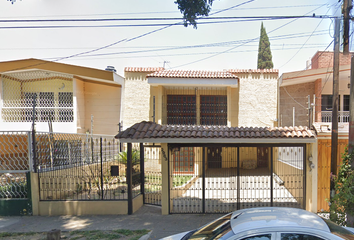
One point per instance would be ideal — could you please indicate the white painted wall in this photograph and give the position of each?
(258, 100)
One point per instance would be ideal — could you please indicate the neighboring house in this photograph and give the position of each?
(305, 98)
(316, 84)
(220, 149)
(72, 99)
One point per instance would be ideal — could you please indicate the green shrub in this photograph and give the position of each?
(343, 200)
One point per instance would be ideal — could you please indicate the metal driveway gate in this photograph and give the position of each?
(15, 187)
(217, 179)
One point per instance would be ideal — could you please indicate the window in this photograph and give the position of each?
(65, 99)
(50, 106)
(181, 110)
(327, 102)
(338, 230)
(346, 102)
(297, 236)
(219, 229)
(213, 110)
(46, 99)
(184, 160)
(259, 237)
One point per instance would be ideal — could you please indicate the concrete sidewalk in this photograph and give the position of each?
(147, 217)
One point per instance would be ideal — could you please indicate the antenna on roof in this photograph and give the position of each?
(164, 62)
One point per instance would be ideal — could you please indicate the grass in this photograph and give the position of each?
(7, 234)
(88, 235)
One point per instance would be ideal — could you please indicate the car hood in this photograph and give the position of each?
(176, 236)
(350, 229)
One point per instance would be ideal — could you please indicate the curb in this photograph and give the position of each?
(146, 236)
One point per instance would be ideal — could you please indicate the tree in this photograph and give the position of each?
(264, 53)
(192, 9)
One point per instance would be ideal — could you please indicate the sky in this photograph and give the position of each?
(215, 44)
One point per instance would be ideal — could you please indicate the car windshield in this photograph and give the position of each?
(218, 229)
(339, 231)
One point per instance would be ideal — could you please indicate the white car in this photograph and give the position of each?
(270, 223)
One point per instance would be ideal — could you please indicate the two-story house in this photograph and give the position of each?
(219, 147)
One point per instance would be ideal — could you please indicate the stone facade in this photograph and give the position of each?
(258, 99)
(136, 98)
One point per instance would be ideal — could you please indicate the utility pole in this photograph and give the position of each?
(347, 6)
(334, 148)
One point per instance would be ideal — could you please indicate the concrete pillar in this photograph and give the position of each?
(35, 193)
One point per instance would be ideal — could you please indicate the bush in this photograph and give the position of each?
(342, 202)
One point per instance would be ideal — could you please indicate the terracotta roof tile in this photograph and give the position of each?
(253, 70)
(143, 69)
(192, 74)
(149, 130)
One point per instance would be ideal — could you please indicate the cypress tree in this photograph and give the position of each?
(264, 53)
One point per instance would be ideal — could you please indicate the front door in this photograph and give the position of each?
(214, 157)
(262, 157)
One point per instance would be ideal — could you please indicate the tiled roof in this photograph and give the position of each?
(253, 70)
(143, 69)
(192, 74)
(149, 130)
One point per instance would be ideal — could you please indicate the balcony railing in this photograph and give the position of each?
(343, 116)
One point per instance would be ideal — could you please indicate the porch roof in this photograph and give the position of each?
(155, 133)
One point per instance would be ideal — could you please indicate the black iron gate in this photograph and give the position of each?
(225, 179)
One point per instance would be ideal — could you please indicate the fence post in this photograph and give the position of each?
(142, 171)
(30, 157)
(129, 179)
(101, 168)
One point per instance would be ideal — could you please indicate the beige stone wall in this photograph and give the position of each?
(298, 99)
(257, 99)
(136, 99)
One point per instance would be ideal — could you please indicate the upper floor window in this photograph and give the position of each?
(346, 101)
(50, 106)
(327, 102)
(181, 110)
(213, 110)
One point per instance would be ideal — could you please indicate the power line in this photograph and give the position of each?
(169, 12)
(280, 37)
(303, 43)
(144, 25)
(158, 19)
(109, 45)
(181, 54)
(251, 40)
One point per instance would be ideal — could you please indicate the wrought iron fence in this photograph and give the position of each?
(14, 164)
(80, 167)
